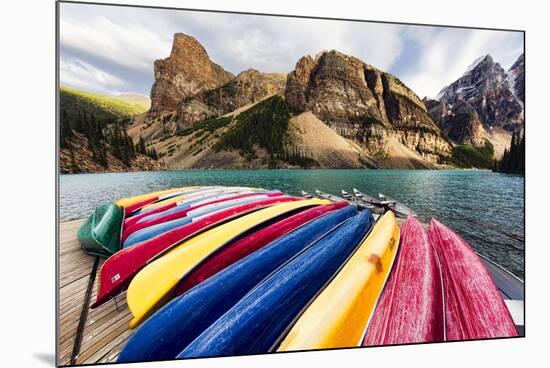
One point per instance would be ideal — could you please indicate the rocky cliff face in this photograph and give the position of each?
(516, 78)
(487, 88)
(460, 123)
(364, 104)
(247, 88)
(187, 71)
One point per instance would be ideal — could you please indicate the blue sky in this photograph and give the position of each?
(111, 50)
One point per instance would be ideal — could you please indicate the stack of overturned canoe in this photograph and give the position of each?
(213, 271)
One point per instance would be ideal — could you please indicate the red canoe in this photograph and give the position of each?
(134, 218)
(410, 309)
(132, 228)
(130, 209)
(474, 308)
(119, 269)
(251, 243)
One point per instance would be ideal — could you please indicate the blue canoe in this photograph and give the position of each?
(154, 230)
(257, 322)
(173, 327)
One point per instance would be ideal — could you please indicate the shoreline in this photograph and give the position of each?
(283, 169)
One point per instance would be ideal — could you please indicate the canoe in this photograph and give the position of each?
(328, 196)
(474, 308)
(186, 317)
(135, 217)
(175, 206)
(339, 315)
(131, 204)
(258, 320)
(399, 208)
(512, 290)
(249, 244)
(183, 210)
(159, 226)
(165, 200)
(119, 269)
(410, 309)
(203, 199)
(152, 286)
(100, 234)
(172, 199)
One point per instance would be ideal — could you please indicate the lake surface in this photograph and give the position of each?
(483, 207)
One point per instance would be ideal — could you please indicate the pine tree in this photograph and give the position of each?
(513, 158)
(141, 145)
(65, 130)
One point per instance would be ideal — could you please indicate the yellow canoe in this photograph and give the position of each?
(151, 287)
(125, 202)
(339, 315)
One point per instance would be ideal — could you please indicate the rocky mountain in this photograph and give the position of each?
(247, 88)
(332, 111)
(488, 89)
(365, 105)
(460, 123)
(187, 71)
(516, 78)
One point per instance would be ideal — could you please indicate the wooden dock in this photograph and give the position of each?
(86, 336)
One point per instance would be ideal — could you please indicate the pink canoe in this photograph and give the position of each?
(474, 308)
(410, 309)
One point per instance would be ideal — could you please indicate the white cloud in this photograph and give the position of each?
(80, 74)
(110, 34)
(445, 54)
(135, 37)
(126, 41)
(276, 44)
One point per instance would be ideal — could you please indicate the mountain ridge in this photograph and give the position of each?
(332, 111)
(485, 103)
(487, 88)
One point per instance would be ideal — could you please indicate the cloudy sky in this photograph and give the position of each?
(111, 50)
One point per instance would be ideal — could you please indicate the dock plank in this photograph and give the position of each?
(105, 329)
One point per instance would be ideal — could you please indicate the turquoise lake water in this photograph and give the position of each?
(485, 208)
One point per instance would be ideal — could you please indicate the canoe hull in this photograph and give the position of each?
(410, 309)
(118, 270)
(178, 210)
(339, 315)
(186, 317)
(100, 235)
(240, 249)
(258, 320)
(149, 229)
(152, 287)
(474, 308)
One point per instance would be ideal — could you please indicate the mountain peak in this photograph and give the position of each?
(520, 62)
(482, 62)
(184, 42)
(363, 104)
(490, 91)
(187, 71)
